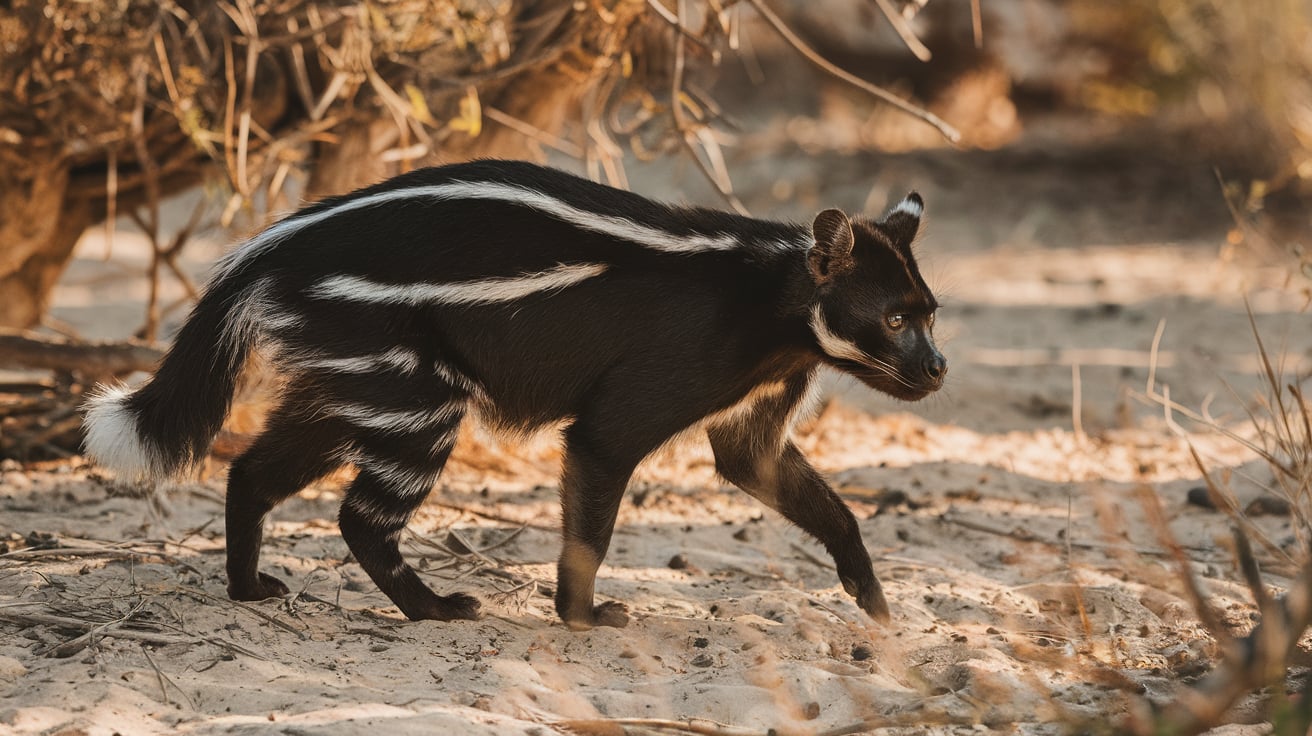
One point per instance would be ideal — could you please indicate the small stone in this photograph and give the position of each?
(10, 670)
(378, 648)
(892, 497)
(811, 711)
(701, 642)
(1198, 496)
(862, 652)
(627, 653)
(678, 562)
(1268, 506)
(741, 535)
(703, 660)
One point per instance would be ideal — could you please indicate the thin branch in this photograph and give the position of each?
(573, 150)
(977, 23)
(721, 182)
(811, 55)
(904, 31)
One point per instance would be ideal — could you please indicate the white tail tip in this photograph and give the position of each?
(112, 439)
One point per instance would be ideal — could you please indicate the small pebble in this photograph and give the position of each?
(701, 642)
(378, 648)
(702, 660)
(862, 652)
(628, 654)
(1199, 497)
(678, 562)
(811, 711)
(1268, 506)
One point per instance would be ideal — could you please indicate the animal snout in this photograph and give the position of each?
(935, 367)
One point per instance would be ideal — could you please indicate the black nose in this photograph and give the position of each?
(935, 367)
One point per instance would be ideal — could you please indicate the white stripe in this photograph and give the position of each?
(808, 405)
(403, 482)
(272, 322)
(833, 345)
(368, 417)
(612, 225)
(401, 358)
(483, 291)
(255, 313)
(455, 378)
(744, 406)
(375, 513)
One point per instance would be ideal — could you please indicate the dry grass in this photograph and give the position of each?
(1279, 431)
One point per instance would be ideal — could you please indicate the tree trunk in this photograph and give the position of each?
(38, 230)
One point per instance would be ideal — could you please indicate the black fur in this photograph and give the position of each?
(651, 344)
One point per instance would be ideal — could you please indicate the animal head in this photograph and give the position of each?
(873, 315)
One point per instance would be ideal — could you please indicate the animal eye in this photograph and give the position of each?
(896, 321)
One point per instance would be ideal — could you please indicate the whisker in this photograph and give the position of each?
(889, 370)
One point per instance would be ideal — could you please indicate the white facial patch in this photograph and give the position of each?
(833, 345)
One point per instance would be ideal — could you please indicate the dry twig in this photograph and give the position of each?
(811, 55)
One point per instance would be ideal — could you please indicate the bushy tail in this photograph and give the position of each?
(166, 426)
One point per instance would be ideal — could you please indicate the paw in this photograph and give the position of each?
(869, 596)
(463, 606)
(611, 613)
(872, 601)
(445, 608)
(265, 586)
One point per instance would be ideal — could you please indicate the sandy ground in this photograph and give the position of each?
(1006, 516)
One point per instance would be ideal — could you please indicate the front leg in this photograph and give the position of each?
(754, 454)
(592, 487)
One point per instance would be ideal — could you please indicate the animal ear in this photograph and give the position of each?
(831, 255)
(903, 221)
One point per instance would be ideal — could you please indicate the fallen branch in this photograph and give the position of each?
(94, 359)
(114, 554)
(46, 619)
(73, 646)
(704, 727)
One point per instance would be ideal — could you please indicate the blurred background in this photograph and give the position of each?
(1116, 209)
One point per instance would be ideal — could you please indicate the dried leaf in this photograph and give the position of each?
(419, 106)
(470, 119)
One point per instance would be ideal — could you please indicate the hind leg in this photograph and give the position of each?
(289, 455)
(397, 471)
